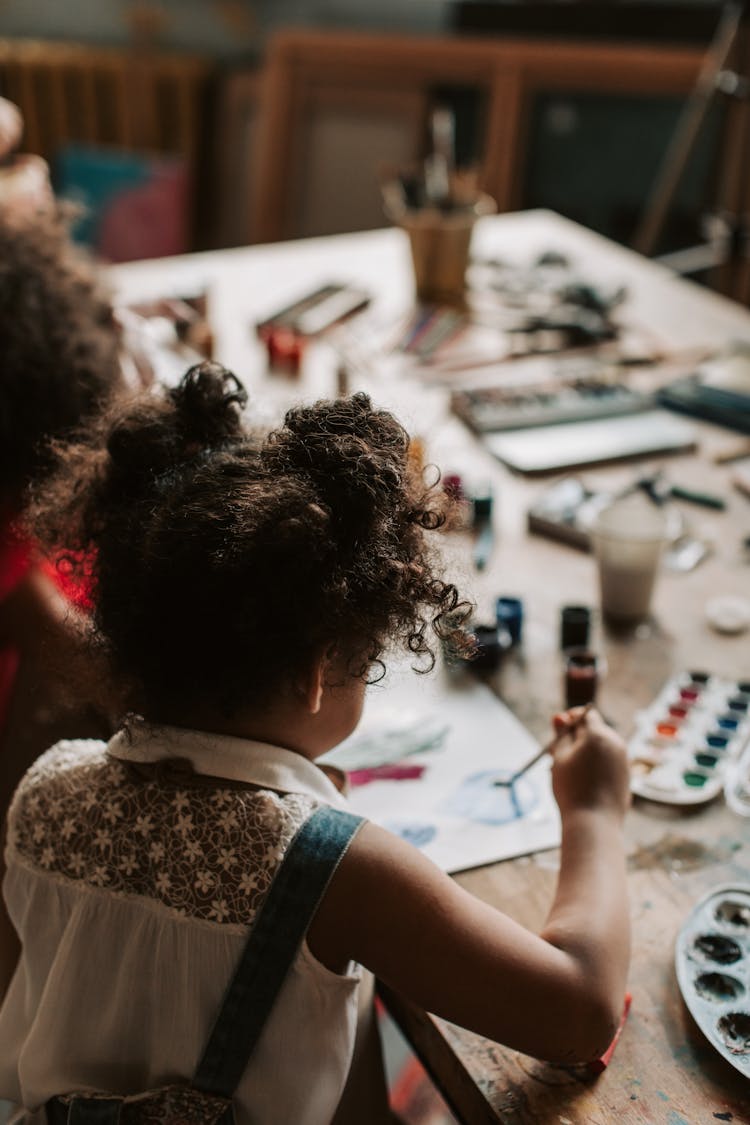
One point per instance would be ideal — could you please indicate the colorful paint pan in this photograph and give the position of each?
(671, 784)
(686, 741)
(712, 960)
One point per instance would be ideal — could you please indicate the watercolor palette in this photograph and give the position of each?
(683, 743)
(712, 960)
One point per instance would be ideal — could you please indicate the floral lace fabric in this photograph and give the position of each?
(201, 852)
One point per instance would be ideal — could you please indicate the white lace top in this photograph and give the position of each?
(132, 899)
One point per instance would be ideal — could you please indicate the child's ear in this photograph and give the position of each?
(312, 685)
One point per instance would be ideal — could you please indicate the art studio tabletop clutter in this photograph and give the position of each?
(383, 211)
(587, 513)
(539, 355)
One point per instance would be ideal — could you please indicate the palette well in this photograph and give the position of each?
(686, 740)
(712, 960)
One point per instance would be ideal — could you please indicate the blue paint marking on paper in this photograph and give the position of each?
(478, 798)
(420, 835)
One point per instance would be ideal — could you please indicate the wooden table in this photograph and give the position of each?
(664, 1072)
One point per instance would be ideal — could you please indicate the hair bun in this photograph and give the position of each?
(140, 445)
(353, 455)
(151, 436)
(209, 402)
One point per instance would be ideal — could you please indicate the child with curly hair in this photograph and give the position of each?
(245, 589)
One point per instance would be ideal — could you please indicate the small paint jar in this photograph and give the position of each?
(581, 677)
(453, 486)
(459, 514)
(491, 645)
(678, 712)
(738, 704)
(456, 657)
(575, 626)
(717, 740)
(285, 351)
(509, 616)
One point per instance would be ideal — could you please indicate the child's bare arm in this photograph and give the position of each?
(557, 995)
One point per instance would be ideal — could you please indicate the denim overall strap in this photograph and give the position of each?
(274, 939)
(84, 1111)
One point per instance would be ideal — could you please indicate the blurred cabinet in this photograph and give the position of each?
(337, 107)
(232, 190)
(68, 92)
(296, 146)
(108, 102)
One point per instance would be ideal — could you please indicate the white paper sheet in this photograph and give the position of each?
(452, 812)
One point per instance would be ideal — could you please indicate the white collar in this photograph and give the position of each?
(223, 755)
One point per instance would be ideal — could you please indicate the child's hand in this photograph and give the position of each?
(590, 767)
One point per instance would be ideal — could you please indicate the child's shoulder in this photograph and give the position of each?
(70, 767)
(64, 762)
(203, 852)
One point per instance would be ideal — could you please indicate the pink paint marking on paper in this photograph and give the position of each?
(394, 772)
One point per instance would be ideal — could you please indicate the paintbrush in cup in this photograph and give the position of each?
(509, 782)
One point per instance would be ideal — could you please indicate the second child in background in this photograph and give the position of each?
(61, 360)
(58, 366)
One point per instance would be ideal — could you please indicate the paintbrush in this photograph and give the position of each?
(438, 165)
(509, 782)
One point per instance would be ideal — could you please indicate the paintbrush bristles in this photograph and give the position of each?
(548, 749)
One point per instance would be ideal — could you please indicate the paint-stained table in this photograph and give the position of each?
(663, 1072)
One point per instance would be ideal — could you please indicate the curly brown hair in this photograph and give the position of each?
(58, 345)
(224, 563)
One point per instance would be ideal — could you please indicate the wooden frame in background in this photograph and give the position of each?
(135, 100)
(308, 69)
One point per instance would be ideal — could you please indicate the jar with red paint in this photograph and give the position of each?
(583, 670)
